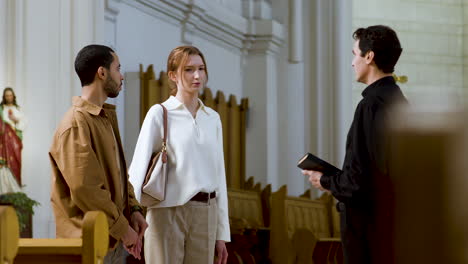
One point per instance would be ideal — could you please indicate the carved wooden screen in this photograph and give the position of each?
(233, 119)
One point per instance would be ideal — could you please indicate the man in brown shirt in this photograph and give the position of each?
(88, 165)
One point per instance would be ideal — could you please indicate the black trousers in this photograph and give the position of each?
(366, 236)
(354, 237)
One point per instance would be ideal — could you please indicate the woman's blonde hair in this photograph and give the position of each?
(178, 58)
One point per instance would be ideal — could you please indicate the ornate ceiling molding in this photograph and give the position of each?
(212, 21)
(112, 9)
(112, 6)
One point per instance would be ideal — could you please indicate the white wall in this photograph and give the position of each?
(465, 49)
(146, 40)
(236, 6)
(4, 36)
(224, 68)
(433, 36)
(43, 38)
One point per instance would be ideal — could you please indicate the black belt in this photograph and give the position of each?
(203, 196)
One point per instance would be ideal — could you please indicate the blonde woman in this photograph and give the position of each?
(193, 220)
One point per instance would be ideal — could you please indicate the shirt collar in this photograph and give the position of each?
(90, 107)
(109, 106)
(374, 87)
(174, 103)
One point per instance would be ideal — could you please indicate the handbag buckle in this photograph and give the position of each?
(164, 148)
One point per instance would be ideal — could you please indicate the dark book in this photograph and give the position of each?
(312, 162)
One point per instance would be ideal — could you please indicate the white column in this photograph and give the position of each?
(65, 68)
(291, 103)
(329, 78)
(47, 36)
(111, 11)
(247, 8)
(292, 117)
(260, 82)
(332, 86)
(262, 138)
(3, 43)
(465, 51)
(295, 31)
(87, 22)
(321, 86)
(343, 76)
(257, 9)
(7, 43)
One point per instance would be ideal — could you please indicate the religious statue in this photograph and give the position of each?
(11, 136)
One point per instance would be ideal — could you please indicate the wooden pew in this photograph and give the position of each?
(428, 173)
(301, 231)
(334, 215)
(246, 205)
(9, 234)
(251, 186)
(92, 248)
(248, 232)
(266, 204)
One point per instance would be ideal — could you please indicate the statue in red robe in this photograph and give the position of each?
(11, 125)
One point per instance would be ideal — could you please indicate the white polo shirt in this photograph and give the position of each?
(195, 152)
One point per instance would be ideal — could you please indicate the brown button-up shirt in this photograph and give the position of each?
(86, 173)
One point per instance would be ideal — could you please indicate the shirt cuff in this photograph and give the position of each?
(132, 202)
(325, 181)
(120, 226)
(223, 234)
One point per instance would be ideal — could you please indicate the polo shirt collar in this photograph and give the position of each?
(174, 103)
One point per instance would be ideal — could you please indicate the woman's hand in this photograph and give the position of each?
(222, 252)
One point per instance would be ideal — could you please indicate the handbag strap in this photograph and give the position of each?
(164, 144)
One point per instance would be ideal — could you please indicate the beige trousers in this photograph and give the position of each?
(182, 234)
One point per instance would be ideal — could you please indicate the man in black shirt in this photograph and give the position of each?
(363, 189)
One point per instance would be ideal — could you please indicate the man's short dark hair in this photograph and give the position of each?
(383, 41)
(89, 59)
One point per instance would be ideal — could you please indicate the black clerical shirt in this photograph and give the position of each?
(366, 146)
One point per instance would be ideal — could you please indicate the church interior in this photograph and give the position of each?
(281, 79)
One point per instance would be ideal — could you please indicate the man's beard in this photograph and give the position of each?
(111, 88)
